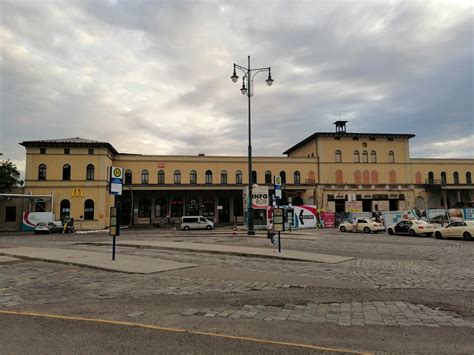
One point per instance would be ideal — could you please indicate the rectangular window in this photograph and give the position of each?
(67, 151)
(91, 151)
(42, 150)
(10, 213)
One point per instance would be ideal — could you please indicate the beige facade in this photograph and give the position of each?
(323, 169)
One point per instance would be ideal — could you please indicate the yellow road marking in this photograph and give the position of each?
(180, 330)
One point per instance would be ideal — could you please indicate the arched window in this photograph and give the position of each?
(392, 177)
(208, 204)
(268, 177)
(365, 157)
(144, 208)
(177, 177)
(431, 177)
(144, 176)
(192, 207)
(42, 172)
(161, 208)
(64, 210)
(468, 178)
(373, 156)
(456, 178)
(161, 177)
(357, 177)
(193, 177)
(238, 177)
(90, 172)
(177, 207)
(366, 177)
(356, 156)
(338, 156)
(443, 178)
(208, 177)
(418, 177)
(254, 177)
(297, 178)
(375, 177)
(339, 177)
(223, 177)
(283, 177)
(391, 157)
(89, 210)
(128, 177)
(66, 172)
(40, 205)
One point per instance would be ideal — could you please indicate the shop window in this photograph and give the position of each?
(297, 178)
(456, 178)
(40, 205)
(64, 210)
(365, 157)
(177, 177)
(193, 177)
(391, 157)
(10, 213)
(90, 172)
(208, 177)
(89, 210)
(468, 178)
(144, 208)
(238, 177)
(238, 205)
(283, 177)
(356, 156)
(177, 207)
(161, 177)
(128, 177)
(268, 177)
(42, 172)
(208, 206)
(373, 156)
(254, 177)
(338, 156)
(339, 177)
(144, 176)
(223, 177)
(66, 172)
(161, 208)
(192, 207)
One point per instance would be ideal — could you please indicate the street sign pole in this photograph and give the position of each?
(116, 181)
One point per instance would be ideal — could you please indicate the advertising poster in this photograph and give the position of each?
(455, 214)
(469, 214)
(394, 217)
(31, 219)
(329, 219)
(437, 216)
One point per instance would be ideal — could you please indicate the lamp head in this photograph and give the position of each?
(234, 77)
(269, 80)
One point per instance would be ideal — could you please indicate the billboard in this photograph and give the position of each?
(31, 219)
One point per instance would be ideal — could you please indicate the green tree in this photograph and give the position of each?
(9, 174)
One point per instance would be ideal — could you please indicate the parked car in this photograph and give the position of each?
(455, 229)
(44, 227)
(411, 227)
(196, 222)
(363, 225)
(56, 226)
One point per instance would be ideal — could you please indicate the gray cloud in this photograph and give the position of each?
(152, 77)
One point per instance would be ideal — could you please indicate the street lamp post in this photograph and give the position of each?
(249, 75)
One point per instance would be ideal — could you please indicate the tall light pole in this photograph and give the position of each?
(249, 75)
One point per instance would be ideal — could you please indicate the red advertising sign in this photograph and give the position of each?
(329, 219)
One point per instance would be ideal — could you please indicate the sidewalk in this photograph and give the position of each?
(122, 263)
(233, 250)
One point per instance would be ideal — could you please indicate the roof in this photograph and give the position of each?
(348, 135)
(69, 142)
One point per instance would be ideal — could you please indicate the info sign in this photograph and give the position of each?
(278, 220)
(116, 180)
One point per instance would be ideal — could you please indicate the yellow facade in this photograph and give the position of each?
(326, 166)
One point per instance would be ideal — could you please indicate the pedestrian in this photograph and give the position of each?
(354, 224)
(271, 233)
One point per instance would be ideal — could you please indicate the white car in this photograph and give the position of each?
(412, 227)
(455, 229)
(363, 225)
(196, 222)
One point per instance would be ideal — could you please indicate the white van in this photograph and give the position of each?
(196, 222)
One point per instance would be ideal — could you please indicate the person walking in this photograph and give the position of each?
(354, 224)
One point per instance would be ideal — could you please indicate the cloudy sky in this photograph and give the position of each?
(152, 77)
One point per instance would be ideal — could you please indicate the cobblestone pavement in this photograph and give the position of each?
(395, 313)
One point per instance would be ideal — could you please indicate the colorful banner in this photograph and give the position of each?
(31, 219)
(329, 219)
